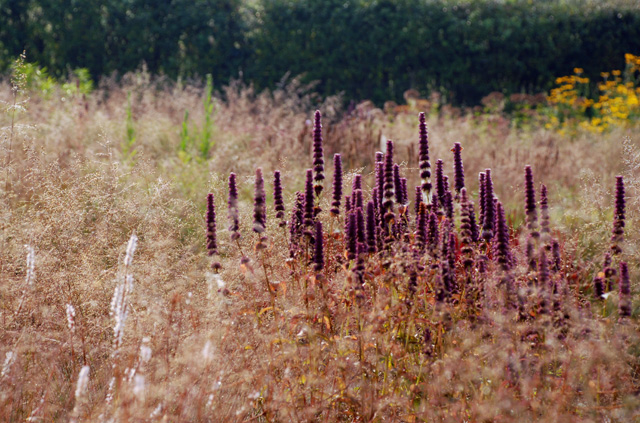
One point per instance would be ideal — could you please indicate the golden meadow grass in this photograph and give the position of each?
(278, 337)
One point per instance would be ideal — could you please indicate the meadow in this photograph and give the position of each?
(171, 252)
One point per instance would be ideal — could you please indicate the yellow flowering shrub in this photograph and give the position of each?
(615, 103)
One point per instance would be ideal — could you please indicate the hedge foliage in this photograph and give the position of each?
(374, 49)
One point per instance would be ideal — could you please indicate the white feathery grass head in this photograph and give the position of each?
(71, 318)
(119, 309)
(8, 361)
(131, 248)
(83, 382)
(31, 265)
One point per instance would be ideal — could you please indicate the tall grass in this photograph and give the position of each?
(399, 313)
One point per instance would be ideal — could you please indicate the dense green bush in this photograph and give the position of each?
(372, 49)
(378, 49)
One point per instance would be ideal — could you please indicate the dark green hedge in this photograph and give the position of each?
(367, 49)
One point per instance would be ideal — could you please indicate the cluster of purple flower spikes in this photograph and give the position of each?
(443, 236)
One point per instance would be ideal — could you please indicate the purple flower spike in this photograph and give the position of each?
(387, 204)
(555, 251)
(448, 205)
(308, 204)
(487, 227)
(458, 169)
(618, 218)
(530, 202)
(277, 198)
(357, 200)
(397, 185)
(259, 204)
(318, 154)
(371, 227)
(423, 160)
(405, 193)
(360, 233)
(465, 229)
(482, 196)
(625, 291)
(352, 237)
(544, 215)
(318, 252)
(379, 156)
(212, 245)
(502, 240)
(475, 232)
(357, 182)
(598, 287)
(418, 200)
(433, 233)
(234, 227)
(440, 188)
(380, 187)
(337, 185)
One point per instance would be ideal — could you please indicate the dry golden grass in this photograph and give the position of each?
(224, 353)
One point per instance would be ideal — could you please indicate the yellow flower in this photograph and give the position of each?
(616, 72)
(604, 74)
(578, 70)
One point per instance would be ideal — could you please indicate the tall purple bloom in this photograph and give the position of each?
(212, 245)
(440, 188)
(482, 196)
(418, 200)
(356, 184)
(380, 187)
(502, 236)
(544, 216)
(618, 218)
(448, 205)
(309, 215)
(397, 185)
(337, 184)
(234, 227)
(423, 159)
(352, 237)
(466, 230)
(388, 187)
(360, 233)
(277, 198)
(318, 252)
(625, 291)
(433, 232)
(555, 253)
(530, 202)
(598, 287)
(259, 204)
(458, 169)
(487, 227)
(376, 202)
(475, 232)
(357, 199)
(405, 193)
(371, 227)
(318, 154)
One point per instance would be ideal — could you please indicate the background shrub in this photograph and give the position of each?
(367, 49)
